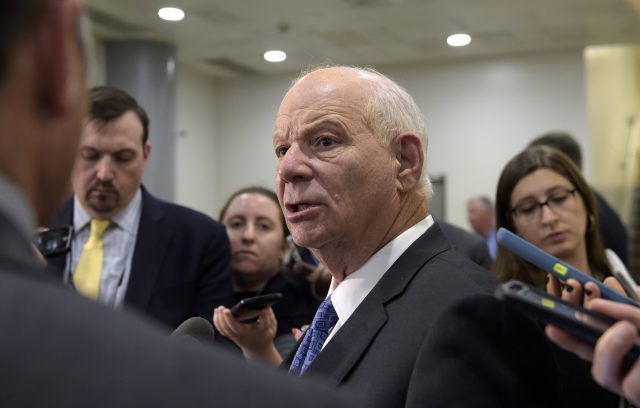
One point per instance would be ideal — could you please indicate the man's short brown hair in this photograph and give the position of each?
(107, 103)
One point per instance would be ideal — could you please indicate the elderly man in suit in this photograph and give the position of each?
(58, 349)
(408, 322)
(165, 260)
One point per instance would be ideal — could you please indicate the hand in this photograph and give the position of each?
(608, 367)
(254, 339)
(573, 291)
(319, 278)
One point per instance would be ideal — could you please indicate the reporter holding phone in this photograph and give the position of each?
(543, 197)
(257, 233)
(609, 367)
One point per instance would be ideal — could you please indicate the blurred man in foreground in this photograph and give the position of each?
(57, 348)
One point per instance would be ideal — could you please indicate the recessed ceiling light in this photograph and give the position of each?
(275, 56)
(458, 40)
(171, 14)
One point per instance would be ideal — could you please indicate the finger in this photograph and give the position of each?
(631, 384)
(609, 355)
(618, 311)
(591, 292)
(569, 342)
(553, 286)
(297, 333)
(614, 284)
(572, 292)
(221, 323)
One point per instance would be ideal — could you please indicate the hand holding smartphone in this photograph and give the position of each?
(54, 241)
(555, 267)
(247, 310)
(582, 323)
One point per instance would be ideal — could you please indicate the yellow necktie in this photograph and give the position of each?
(86, 278)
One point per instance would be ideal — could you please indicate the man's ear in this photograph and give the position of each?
(409, 155)
(59, 58)
(146, 151)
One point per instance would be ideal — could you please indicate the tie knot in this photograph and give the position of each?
(326, 316)
(98, 227)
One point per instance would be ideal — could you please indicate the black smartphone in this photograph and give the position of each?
(247, 310)
(574, 319)
(54, 241)
(302, 255)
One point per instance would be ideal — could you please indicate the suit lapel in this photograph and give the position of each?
(347, 347)
(151, 243)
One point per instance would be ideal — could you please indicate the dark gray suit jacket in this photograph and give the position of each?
(471, 245)
(58, 349)
(431, 334)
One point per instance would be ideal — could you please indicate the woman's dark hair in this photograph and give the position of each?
(508, 266)
(262, 191)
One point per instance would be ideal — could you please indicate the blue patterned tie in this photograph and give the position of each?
(325, 318)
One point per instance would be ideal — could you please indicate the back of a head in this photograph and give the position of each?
(562, 141)
(17, 19)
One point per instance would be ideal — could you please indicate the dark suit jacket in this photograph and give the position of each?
(180, 265)
(58, 349)
(431, 334)
(471, 245)
(614, 234)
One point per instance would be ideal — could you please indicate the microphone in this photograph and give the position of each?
(194, 330)
(552, 265)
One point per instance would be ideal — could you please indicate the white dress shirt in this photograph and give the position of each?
(348, 295)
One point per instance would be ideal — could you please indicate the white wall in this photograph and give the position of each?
(197, 151)
(479, 114)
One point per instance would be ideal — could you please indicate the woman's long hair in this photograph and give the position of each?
(508, 266)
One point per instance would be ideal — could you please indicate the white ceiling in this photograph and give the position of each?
(227, 38)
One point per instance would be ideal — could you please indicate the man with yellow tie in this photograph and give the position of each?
(129, 248)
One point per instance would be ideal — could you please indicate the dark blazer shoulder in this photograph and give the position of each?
(182, 217)
(398, 328)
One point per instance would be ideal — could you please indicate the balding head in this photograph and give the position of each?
(349, 172)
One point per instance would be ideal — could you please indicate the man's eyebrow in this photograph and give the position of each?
(323, 124)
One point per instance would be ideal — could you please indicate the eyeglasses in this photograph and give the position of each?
(531, 210)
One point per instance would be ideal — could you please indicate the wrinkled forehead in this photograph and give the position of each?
(343, 92)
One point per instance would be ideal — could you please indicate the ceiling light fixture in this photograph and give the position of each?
(458, 40)
(171, 14)
(275, 56)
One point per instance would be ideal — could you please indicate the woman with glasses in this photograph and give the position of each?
(543, 197)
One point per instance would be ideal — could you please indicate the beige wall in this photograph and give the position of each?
(613, 99)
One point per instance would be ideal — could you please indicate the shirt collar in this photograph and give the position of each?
(125, 219)
(356, 286)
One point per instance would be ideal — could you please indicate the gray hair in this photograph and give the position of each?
(483, 200)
